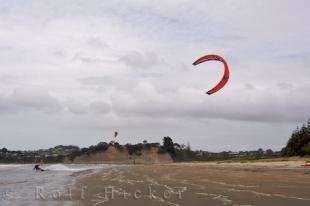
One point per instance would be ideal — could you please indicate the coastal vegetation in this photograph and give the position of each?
(297, 145)
(178, 152)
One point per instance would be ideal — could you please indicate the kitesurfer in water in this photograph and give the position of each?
(38, 168)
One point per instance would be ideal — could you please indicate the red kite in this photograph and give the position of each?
(215, 57)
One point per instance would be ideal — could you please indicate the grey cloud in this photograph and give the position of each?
(139, 60)
(151, 75)
(249, 86)
(96, 43)
(100, 107)
(95, 80)
(87, 59)
(9, 79)
(261, 106)
(5, 107)
(59, 53)
(75, 107)
(33, 99)
(284, 85)
(78, 108)
(5, 48)
(102, 82)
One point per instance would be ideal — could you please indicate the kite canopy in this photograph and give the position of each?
(215, 57)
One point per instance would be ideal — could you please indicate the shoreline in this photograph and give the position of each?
(306, 159)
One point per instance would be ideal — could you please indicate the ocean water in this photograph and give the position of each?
(21, 185)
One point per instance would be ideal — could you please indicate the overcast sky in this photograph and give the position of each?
(73, 72)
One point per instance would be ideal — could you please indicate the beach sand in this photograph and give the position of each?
(259, 183)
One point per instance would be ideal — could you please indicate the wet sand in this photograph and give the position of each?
(275, 183)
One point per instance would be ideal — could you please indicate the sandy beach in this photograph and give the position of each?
(258, 183)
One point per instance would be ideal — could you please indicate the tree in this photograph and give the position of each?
(4, 150)
(299, 142)
(260, 151)
(188, 147)
(177, 146)
(169, 146)
(269, 152)
(306, 149)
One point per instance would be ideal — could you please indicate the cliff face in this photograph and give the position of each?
(113, 155)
